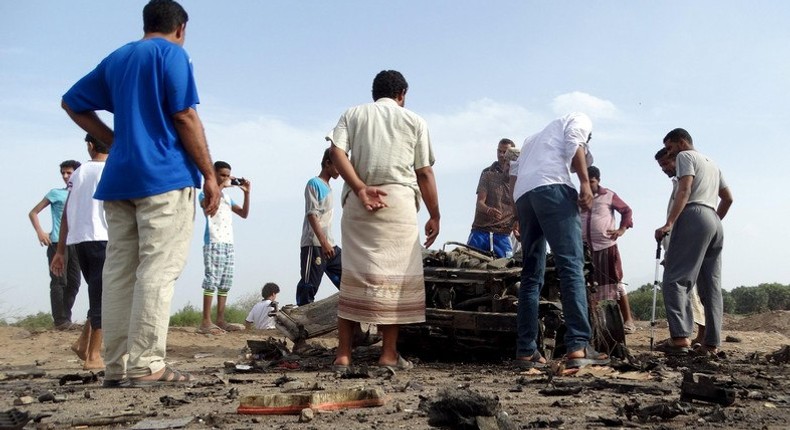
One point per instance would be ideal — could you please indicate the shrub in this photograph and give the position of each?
(190, 316)
(38, 322)
(641, 302)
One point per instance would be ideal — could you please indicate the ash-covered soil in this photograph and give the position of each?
(642, 393)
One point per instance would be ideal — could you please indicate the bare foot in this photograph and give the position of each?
(81, 345)
(93, 364)
(80, 350)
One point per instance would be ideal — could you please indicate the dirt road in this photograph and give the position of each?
(600, 398)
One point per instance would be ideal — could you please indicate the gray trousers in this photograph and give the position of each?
(694, 256)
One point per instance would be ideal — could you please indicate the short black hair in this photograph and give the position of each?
(163, 16)
(678, 135)
(98, 145)
(269, 289)
(506, 141)
(73, 164)
(221, 165)
(594, 172)
(663, 152)
(326, 158)
(389, 83)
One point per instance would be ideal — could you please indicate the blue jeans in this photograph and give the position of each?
(550, 213)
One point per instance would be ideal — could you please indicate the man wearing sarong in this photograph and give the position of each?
(386, 173)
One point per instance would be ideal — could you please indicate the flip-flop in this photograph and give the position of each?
(169, 377)
(116, 383)
(533, 362)
(213, 329)
(401, 364)
(667, 347)
(231, 327)
(591, 357)
(340, 368)
(704, 351)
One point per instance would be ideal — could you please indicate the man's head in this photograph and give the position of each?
(270, 290)
(678, 140)
(594, 174)
(501, 150)
(327, 165)
(666, 161)
(165, 17)
(96, 145)
(67, 168)
(222, 170)
(391, 84)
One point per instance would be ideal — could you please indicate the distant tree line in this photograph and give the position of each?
(741, 300)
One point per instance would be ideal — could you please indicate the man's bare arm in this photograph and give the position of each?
(328, 250)
(678, 204)
(91, 123)
(193, 137)
(43, 237)
(58, 265)
(370, 197)
(430, 196)
(725, 201)
(579, 165)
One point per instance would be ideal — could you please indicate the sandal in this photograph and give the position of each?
(116, 383)
(169, 377)
(591, 357)
(705, 350)
(401, 364)
(669, 348)
(213, 329)
(532, 362)
(230, 326)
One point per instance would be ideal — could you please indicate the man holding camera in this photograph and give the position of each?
(218, 253)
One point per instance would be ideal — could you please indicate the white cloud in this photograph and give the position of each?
(578, 101)
(467, 138)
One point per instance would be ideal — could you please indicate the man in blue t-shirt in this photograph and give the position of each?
(148, 186)
(62, 288)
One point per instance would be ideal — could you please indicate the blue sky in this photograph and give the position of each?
(274, 77)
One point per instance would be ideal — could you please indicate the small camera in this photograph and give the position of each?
(237, 181)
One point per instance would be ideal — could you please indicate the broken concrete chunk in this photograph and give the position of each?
(306, 415)
(24, 400)
(285, 404)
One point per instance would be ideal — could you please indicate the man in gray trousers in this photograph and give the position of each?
(694, 255)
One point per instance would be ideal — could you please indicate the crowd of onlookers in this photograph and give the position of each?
(129, 216)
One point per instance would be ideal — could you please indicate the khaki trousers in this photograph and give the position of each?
(146, 252)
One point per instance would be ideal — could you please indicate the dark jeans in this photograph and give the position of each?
(91, 256)
(63, 289)
(550, 214)
(314, 265)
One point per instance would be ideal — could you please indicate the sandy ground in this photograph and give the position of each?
(603, 397)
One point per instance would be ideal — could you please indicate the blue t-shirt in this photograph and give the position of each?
(57, 201)
(143, 84)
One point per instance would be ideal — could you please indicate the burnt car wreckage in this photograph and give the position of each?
(471, 301)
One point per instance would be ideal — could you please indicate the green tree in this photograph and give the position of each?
(641, 302)
(778, 296)
(750, 300)
(729, 302)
